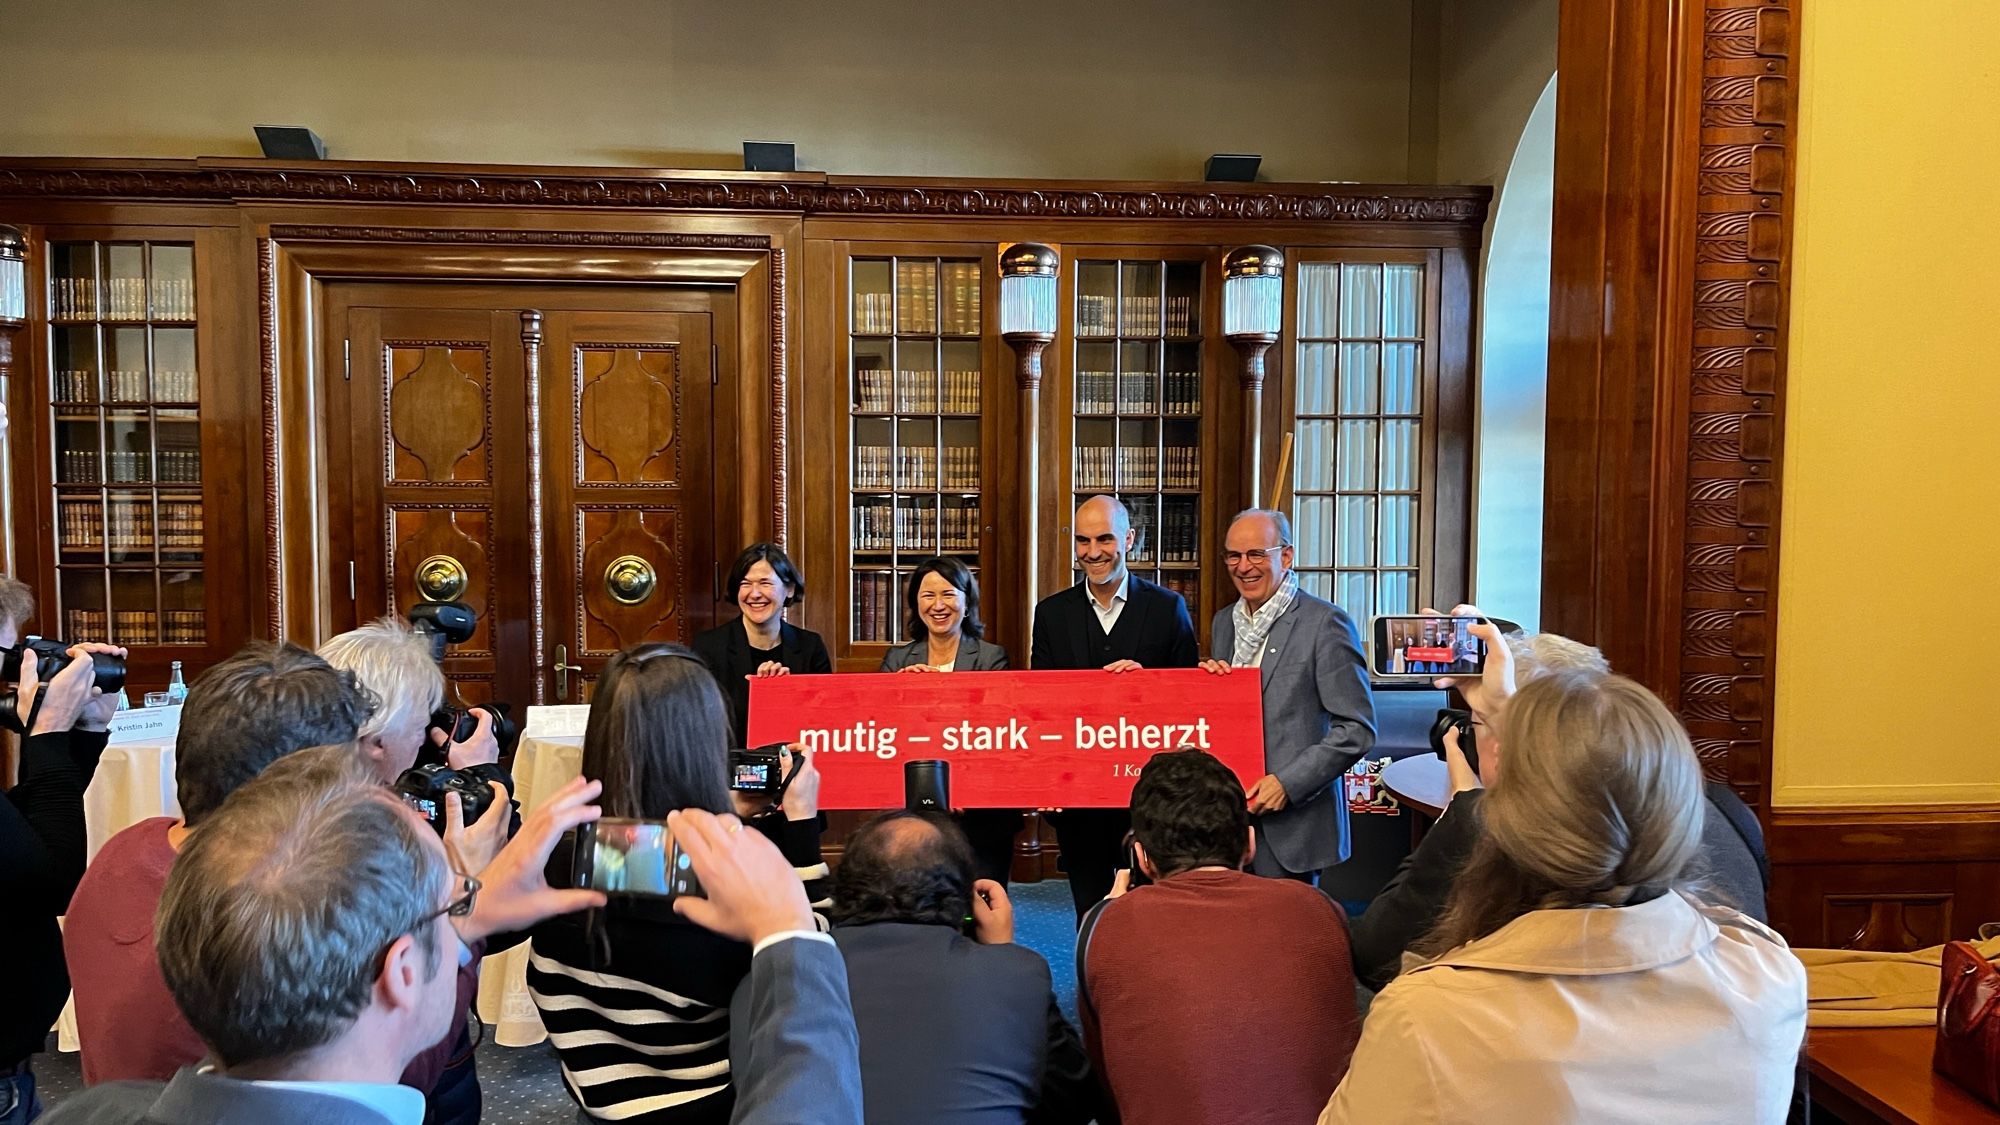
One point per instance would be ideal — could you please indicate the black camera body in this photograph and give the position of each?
(458, 723)
(1459, 719)
(51, 657)
(756, 771)
(425, 787)
(451, 623)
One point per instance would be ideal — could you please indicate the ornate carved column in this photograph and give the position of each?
(1253, 292)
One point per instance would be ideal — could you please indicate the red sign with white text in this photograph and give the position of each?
(1014, 739)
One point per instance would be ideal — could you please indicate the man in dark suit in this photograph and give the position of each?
(1319, 714)
(313, 930)
(954, 1028)
(1119, 622)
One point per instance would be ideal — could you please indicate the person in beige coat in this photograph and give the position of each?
(1576, 975)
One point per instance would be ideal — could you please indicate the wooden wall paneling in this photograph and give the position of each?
(1674, 161)
(1884, 879)
(1452, 496)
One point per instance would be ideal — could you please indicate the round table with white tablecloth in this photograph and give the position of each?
(542, 765)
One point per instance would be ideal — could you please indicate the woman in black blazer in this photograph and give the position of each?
(943, 600)
(760, 642)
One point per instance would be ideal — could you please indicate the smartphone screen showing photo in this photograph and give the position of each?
(1427, 646)
(630, 857)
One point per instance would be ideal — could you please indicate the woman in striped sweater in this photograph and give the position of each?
(636, 1000)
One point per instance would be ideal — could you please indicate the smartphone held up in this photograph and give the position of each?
(1421, 647)
(633, 857)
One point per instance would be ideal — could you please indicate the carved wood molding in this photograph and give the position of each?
(780, 403)
(521, 188)
(1733, 385)
(459, 236)
(267, 368)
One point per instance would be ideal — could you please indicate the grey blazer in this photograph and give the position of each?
(1319, 719)
(205, 1099)
(974, 655)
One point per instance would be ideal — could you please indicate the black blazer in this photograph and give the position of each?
(974, 655)
(1154, 629)
(730, 659)
(953, 1031)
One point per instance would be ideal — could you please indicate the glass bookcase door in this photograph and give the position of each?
(916, 357)
(1361, 411)
(1136, 407)
(124, 400)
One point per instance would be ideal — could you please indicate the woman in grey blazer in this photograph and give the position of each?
(943, 600)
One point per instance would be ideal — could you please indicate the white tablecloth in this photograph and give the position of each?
(133, 782)
(542, 765)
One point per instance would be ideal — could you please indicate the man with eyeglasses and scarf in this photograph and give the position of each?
(1319, 716)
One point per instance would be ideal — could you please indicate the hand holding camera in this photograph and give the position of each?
(478, 747)
(992, 914)
(751, 891)
(778, 775)
(57, 685)
(515, 891)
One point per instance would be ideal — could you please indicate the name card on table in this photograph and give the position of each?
(145, 724)
(566, 720)
(1014, 739)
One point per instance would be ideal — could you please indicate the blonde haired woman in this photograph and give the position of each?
(1573, 978)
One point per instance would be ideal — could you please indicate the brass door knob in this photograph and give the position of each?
(441, 578)
(629, 580)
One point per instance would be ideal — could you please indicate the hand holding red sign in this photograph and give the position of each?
(1014, 739)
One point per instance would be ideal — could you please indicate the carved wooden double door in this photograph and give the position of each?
(544, 455)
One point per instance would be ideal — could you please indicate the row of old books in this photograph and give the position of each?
(123, 298)
(928, 300)
(915, 468)
(127, 386)
(1137, 466)
(915, 392)
(86, 525)
(83, 466)
(1101, 314)
(1138, 392)
(881, 525)
(137, 626)
(877, 609)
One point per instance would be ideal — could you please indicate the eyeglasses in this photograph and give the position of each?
(458, 907)
(1258, 555)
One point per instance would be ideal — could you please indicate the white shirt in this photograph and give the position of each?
(400, 1104)
(1107, 616)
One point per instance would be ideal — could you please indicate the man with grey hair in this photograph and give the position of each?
(1319, 714)
(310, 938)
(393, 661)
(1732, 842)
(311, 933)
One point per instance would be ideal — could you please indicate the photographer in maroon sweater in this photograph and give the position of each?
(1212, 994)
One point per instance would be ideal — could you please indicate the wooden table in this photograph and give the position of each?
(1883, 1074)
(1421, 782)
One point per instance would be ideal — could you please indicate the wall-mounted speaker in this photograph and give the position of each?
(1230, 167)
(770, 156)
(290, 142)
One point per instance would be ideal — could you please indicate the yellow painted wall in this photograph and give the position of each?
(1892, 438)
(1138, 89)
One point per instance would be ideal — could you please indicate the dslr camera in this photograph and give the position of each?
(1460, 720)
(425, 787)
(50, 658)
(451, 623)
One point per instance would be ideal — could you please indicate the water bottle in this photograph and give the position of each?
(177, 689)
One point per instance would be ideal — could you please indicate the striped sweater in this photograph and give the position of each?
(636, 998)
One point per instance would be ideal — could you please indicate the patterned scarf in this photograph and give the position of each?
(1252, 629)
